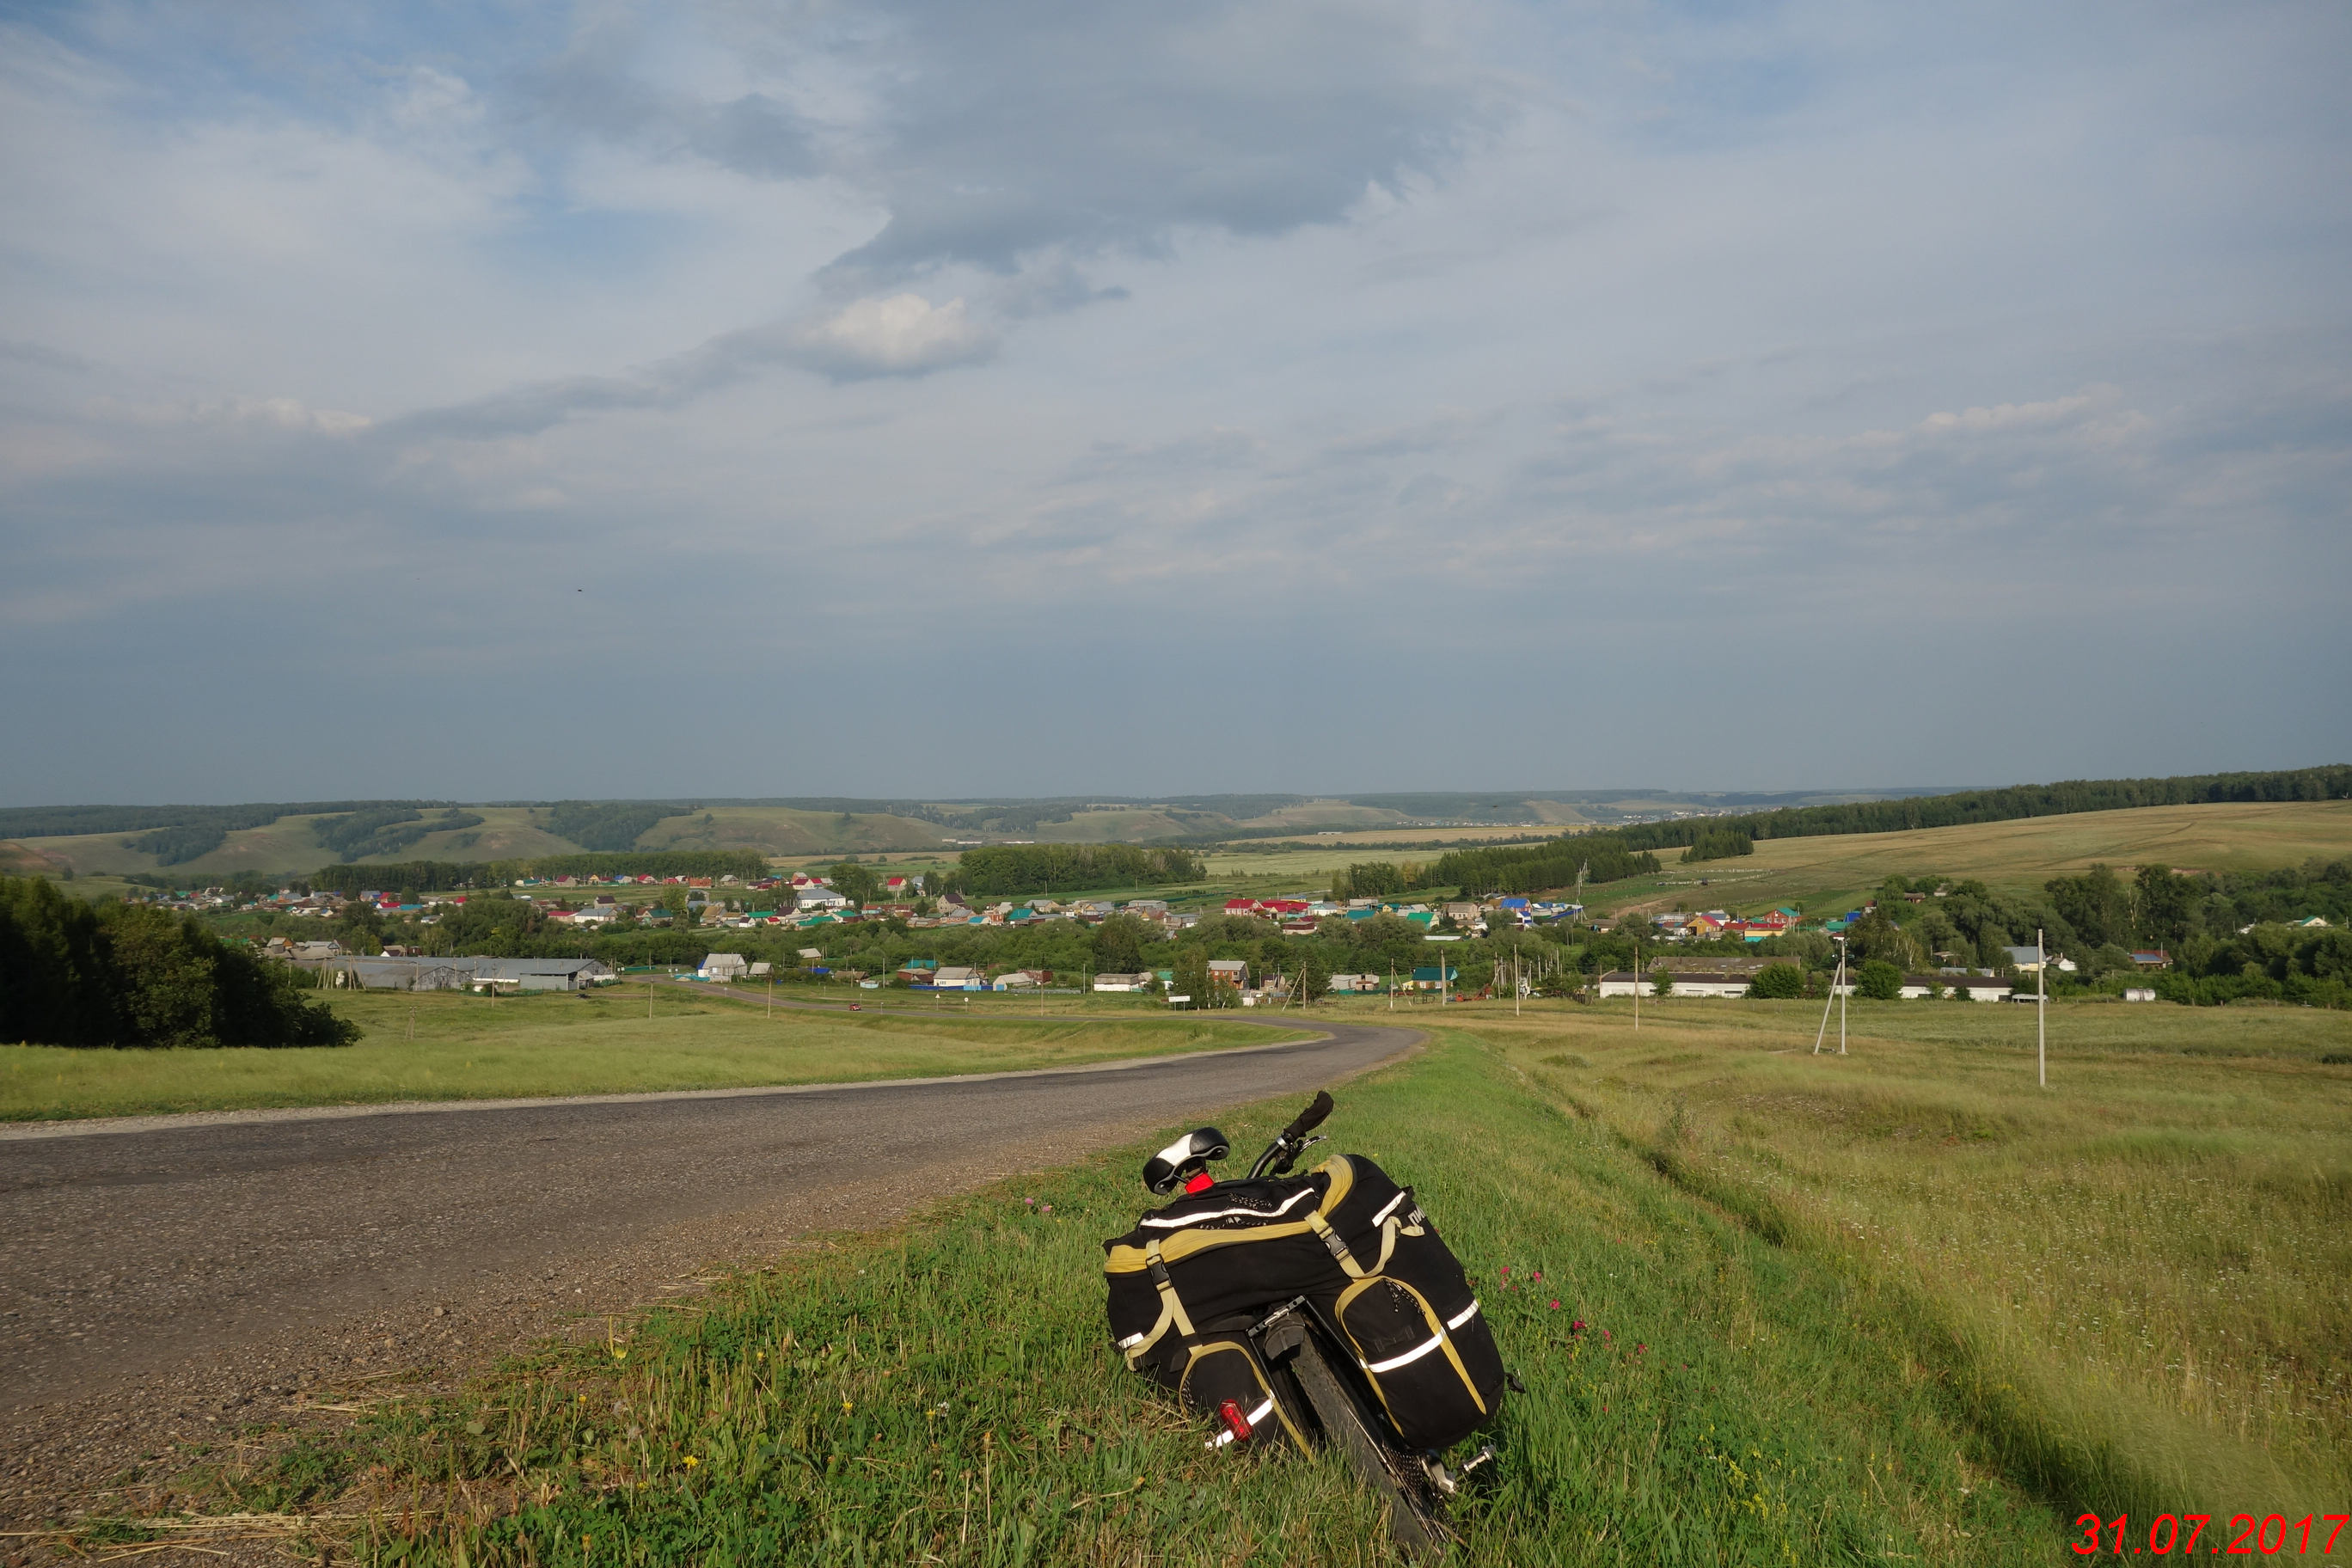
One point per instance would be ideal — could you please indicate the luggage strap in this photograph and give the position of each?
(1171, 1310)
(1347, 1260)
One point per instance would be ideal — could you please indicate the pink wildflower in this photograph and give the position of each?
(1555, 1303)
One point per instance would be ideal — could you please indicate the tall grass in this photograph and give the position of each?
(2136, 1278)
(1697, 1395)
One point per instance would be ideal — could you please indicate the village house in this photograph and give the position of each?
(1960, 987)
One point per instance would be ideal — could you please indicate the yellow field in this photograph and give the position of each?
(2012, 854)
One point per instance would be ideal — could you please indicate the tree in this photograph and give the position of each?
(2167, 904)
(1662, 983)
(1879, 980)
(1779, 982)
(1118, 945)
(2096, 904)
(1193, 975)
(854, 882)
(1314, 975)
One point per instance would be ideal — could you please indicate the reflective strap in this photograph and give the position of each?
(1413, 1354)
(1465, 1315)
(1253, 1418)
(1133, 1340)
(1391, 1209)
(1184, 1219)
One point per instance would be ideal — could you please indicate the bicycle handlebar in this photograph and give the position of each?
(1309, 1119)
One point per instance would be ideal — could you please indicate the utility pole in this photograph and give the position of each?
(1837, 1000)
(2040, 1011)
(1637, 981)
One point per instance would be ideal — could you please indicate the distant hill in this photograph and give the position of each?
(195, 842)
(272, 838)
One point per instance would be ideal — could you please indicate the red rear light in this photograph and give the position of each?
(1201, 1183)
(1236, 1422)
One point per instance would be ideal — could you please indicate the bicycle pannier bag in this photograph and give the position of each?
(1344, 1236)
(1224, 1380)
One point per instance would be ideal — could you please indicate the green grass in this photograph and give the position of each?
(948, 1393)
(469, 1047)
(1898, 1307)
(2144, 1264)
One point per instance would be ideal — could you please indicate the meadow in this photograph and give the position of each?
(446, 1046)
(1833, 872)
(1769, 1307)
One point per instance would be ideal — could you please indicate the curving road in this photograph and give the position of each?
(262, 1250)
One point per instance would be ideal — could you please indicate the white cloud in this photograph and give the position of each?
(902, 334)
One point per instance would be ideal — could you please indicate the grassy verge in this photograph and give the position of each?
(1697, 1395)
(441, 1045)
(2137, 1273)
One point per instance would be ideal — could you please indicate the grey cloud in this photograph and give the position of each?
(894, 335)
(41, 354)
(994, 133)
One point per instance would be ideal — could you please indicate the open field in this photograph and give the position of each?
(470, 1047)
(1896, 1306)
(1830, 872)
(2145, 1261)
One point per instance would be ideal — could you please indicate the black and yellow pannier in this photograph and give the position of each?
(1194, 1274)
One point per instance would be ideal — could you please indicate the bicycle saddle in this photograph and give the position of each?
(1189, 1156)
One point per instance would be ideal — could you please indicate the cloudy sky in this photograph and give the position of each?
(913, 398)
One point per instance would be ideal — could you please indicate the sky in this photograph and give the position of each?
(933, 400)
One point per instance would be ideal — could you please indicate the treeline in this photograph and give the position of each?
(609, 826)
(450, 876)
(384, 830)
(1601, 857)
(1006, 869)
(2330, 783)
(73, 974)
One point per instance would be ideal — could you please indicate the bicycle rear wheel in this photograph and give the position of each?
(1412, 1521)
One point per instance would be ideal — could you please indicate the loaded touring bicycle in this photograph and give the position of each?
(1315, 1310)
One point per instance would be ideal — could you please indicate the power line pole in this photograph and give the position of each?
(1836, 999)
(2040, 1011)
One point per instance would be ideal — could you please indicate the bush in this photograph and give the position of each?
(1879, 980)
(1778, 981)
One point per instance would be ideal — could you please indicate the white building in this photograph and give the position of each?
(724, 966)
(1625, 983)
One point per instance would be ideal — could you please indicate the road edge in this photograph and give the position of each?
(101, 1126)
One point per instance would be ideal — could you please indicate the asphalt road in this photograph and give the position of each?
(130, 1258)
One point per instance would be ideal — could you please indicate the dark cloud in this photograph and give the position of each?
(993, 133)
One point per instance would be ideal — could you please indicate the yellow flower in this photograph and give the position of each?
(846, 1407)
(691, 1461)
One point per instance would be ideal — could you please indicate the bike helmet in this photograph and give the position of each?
(1186, 1157)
